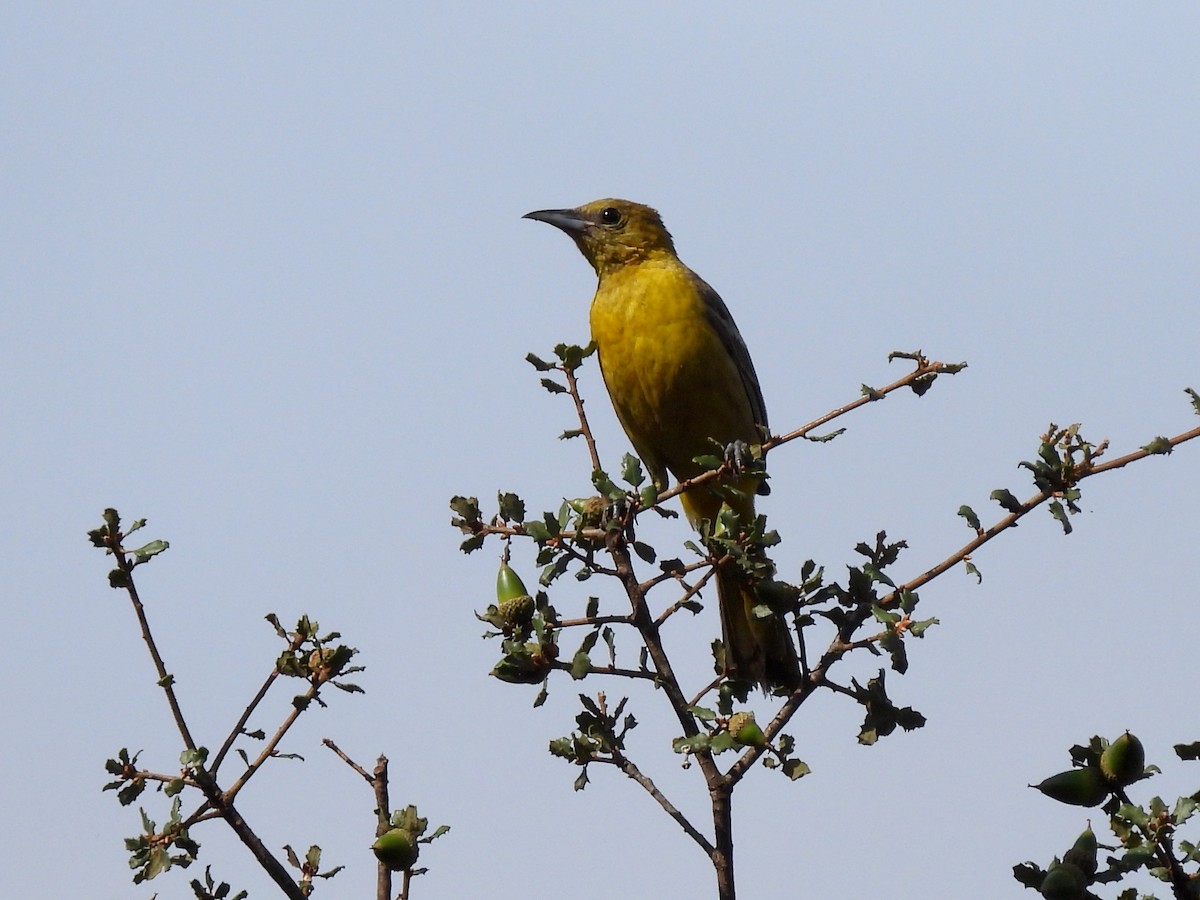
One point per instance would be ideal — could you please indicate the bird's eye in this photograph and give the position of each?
(610, 215)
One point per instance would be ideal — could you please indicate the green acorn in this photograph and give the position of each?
(1124, 760)
(1064, 881)
(1083, 852)
(525, 663)
(1078, 787)
(516, 612)
(396, 849)
(591, 510)
(745, 730)
(508, 584)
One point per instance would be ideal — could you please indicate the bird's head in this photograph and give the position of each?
(611, 233)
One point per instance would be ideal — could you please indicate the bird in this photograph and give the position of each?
(680, 377)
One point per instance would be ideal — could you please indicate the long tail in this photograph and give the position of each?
(759, 650)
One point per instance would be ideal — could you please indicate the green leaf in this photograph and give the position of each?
(149, 551)
(795, 769)
(571, 433)
(918, 629)
(1160, 445)
(582, 781)
(610, 641)
(648, 495)
(512, 507)
(605, 486)
(1057, 510)
(1188, 751)
(872, 393)
(537, 530)
(467, 507)
(572, 355)
(971, 570)
(631, 470)
(553, 386)
(1195, 399)
(581, 664)
(1184, 808)
(471, 544)
(824, 438)
(645, 551)
(969, 514)
(1005, 498)
(695, 744)
(540, 364)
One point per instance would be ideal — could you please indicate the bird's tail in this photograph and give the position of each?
(756, 649)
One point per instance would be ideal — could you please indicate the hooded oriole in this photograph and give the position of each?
(680, 377)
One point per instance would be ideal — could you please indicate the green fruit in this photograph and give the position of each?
(525, 663)
(516, 611)
(1078, 787)
(1124, 760)
(508, 584)
(1064, 882)
(745, 730)
(1083, 852)
(396, 849)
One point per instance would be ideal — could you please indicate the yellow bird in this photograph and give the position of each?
(679, 376)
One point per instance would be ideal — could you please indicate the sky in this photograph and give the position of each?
(267, 285)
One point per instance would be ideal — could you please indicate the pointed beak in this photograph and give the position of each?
(569, 220)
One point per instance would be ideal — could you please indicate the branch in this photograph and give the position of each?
(269, 750)
(1025, 508)
(379, 782)
(241, 722)
(627, 766)
(924, 370)
(165, 680)
(573, 390)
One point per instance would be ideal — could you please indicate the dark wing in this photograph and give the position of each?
(722, 322)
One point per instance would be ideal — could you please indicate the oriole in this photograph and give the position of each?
(679, 376)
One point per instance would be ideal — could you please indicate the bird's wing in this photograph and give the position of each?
(722, 322)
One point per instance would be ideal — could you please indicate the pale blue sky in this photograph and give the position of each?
(266, 283)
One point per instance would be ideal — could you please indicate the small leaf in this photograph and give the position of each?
(824, 438)
(795, 769)
(1005, 498)
(540, 364)
(553, 386)
(631, 470)
(1188, 751)
(645, 551)
(512, 507)
(1159, 445)
(471, 544)
(969, 514)
(871, 393)
(149, 551)
(1057, 510)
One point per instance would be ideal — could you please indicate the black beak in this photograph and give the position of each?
(569, 220)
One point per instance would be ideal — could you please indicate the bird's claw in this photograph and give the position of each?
(739, 458)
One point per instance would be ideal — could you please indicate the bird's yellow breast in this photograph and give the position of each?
(672, 381)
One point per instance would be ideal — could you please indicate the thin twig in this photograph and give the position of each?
(1025, 508)
(573, 389)
(241, 722)
(626, 765)
(165, 680)
(269, 750)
